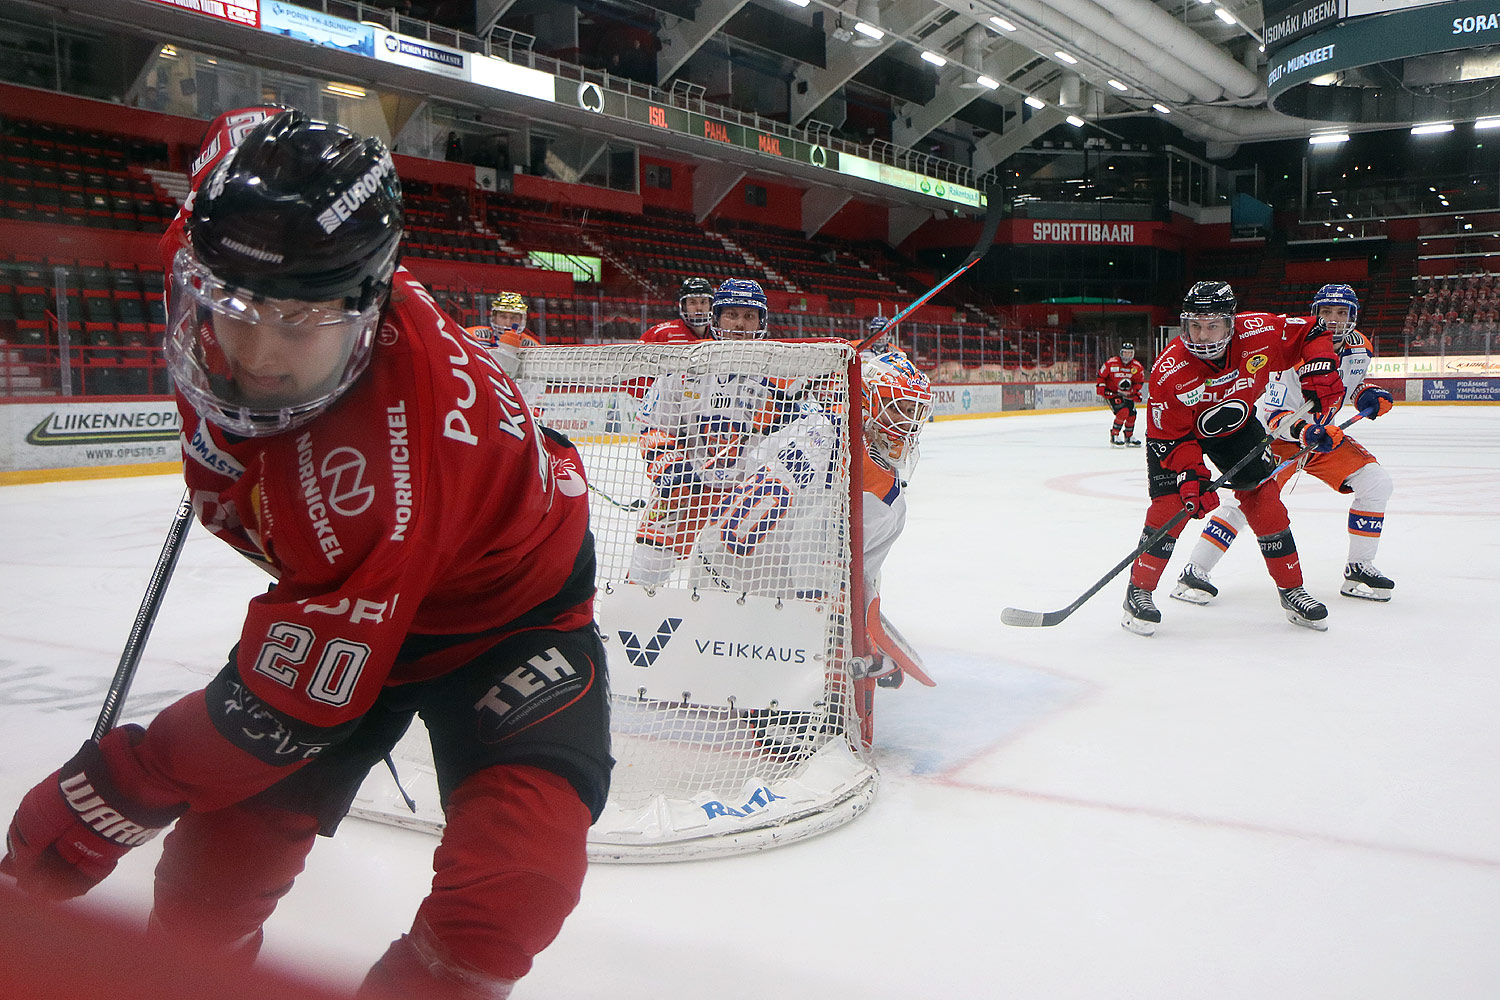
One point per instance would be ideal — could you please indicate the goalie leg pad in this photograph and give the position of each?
(891, 643)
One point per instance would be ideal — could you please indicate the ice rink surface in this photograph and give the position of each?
(1233, 808)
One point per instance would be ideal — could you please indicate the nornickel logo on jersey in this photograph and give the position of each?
(348, 495)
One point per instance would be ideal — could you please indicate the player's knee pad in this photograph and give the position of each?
(1263, 510)
(508, 870)
(222, 873)
(1372, 487)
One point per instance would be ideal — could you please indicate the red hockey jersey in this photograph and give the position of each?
(1195, 399)
(1121, 378)
(673, 331)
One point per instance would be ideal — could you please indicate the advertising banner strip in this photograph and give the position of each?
(246, 12)
(1458, 24)
(65, 434)
(317, 28)
(415, 53)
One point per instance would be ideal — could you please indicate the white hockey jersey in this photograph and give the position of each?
(709, 417)
(1284, 391)
(771, 535)
(884, 518)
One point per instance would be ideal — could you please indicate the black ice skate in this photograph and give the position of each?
(1303, 609)
(1133, 442)
(1193, 586)
(1141, 616)
(1115, 439)
(1364, 581)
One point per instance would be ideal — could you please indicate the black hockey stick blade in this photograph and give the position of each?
(140, 630)
(982, 247)
(1046, 619)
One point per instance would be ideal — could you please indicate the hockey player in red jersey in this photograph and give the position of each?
(1120, 382)
(431, 553)
(1203, 391)
(1348, 468)
(695, 302)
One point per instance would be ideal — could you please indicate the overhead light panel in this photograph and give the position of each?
(1118, 86)
(1327, 138)
(1224, 15)
(345, 90)
(869, 31)
(1487, 123)
(1075, 121)
(1035, 102)
(799, 3)
(168, 52)
(1161, 108)
(1002, 23)
(1432, 128)
(1070, 60)
(934, 58)
(988, 83)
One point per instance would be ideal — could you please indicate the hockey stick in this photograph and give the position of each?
(636, 504)
(140, 631)
(1298, 457)
(1046, 619)
(986, 237)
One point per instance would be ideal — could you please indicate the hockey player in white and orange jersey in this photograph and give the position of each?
(1120, 382)
(1347, 468)
(897, 404)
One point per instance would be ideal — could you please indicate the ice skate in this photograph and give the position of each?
(1141, 616)
(1364, 581)
(1303, 609)
(1132, 441)
(1116, 440)
(1193, 586)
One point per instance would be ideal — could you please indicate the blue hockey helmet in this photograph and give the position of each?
(739, 293)
(1338, 295)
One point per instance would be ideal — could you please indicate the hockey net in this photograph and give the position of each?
(725, 513)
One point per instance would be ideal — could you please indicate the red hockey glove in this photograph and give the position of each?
(1190, 488)
(1372, 401)
(1321, 385)
(1318, 437)
(71, 829)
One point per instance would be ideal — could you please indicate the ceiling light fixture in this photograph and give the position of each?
(1002, 23)
(934, 58)
(1224, 15)
(1432, 128)
(1075, 121)
(1118, 86)
(1161, 108)
(1070, 60)
(987, 82)
(1035, 102)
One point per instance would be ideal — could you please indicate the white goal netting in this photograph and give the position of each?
(721, 506)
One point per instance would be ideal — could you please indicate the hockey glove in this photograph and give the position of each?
(1321, 385)
(1372, 401)
(1320, 438)
(71, 829)
(1190, 489)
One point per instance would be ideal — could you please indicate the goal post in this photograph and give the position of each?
(725, 502)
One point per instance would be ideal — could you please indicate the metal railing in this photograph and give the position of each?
(519, 48)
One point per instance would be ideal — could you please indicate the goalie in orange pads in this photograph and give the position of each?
(898, 402)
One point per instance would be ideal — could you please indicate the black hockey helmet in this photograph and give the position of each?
(1125, 348)
(301, 209)
(1204, 300)
(291, 246)
(695, 288)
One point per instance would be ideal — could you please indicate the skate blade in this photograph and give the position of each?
(1131, 623)
(1296, 619)
(1364, 592)
(1192, 595)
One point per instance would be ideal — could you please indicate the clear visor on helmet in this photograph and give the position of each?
(1207, 335)
(1338, 319)
(897, 414)
(739, 323)
(255, 365)
(506, 321)
(696, 310)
